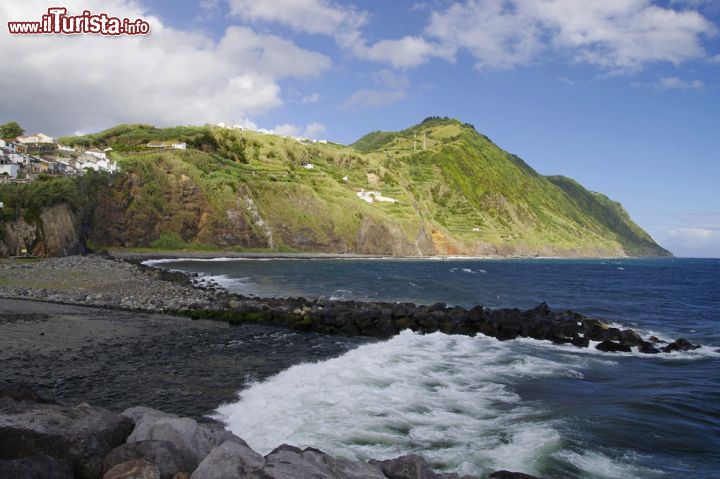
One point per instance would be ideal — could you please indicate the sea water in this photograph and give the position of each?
(475, 405)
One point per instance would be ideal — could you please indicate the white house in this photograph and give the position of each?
(36, 138)
(65, 148)
(100, 155)
(180, 145)
(373, 196)
(18, 159)
(9, 170)
(308, 166)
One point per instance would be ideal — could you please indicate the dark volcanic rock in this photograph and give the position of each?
(613, 347)
(411, 466)
(648, 348)
(35, 467)
(287, 462)
(230, 460)
(168, 459)
(680, 344)
(135, 469)
(78, 435)
(510, 475)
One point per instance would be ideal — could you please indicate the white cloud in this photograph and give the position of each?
(390, 79)
(671, 83)
(311, 98)
(373, 99)
(308, 16)
(714, 59)
(168, 77)
(342, 22)
(675, 83)
(693, 241)
(408, 51)
(497, 36)
(619, 35)
(312, 130)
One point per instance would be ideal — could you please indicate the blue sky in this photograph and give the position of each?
(622, 95)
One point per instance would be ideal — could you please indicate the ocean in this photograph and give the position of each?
(475, 405)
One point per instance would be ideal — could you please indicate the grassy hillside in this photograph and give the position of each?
(456, 192)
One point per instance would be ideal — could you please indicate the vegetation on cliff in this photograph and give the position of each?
(457, 193)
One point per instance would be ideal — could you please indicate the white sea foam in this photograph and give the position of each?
(446, 397)
(467, 270)
(237, 285)
(599, 466)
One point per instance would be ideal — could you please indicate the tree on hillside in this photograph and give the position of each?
(10, 130)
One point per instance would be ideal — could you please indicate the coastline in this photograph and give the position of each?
(192, 255)
(114, 346)
(94, 281)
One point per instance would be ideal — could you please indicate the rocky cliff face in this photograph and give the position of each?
(59, 232)
(462, 195)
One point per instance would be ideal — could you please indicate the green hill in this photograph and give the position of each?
(456, 192)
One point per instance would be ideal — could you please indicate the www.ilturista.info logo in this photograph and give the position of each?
(57, 21)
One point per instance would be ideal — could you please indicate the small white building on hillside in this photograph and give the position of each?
(35, 139)
(373, 196)
(100, 155)
(9, 170)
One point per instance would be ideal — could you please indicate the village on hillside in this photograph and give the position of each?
(25, 158)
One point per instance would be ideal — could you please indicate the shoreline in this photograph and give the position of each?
(140, 256)
(94, 280)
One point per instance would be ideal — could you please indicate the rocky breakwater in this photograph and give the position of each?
(41, 439)
(101, 281)
(384, 320)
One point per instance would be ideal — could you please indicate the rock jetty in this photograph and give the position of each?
(41, 439)
(110, 283)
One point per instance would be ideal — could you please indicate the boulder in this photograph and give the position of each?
(510, 475)
(193, 440)
(680, 344)
(35, 467)
(289, 462)
(78, 435)
(136, 469)
(231, 460)
(411, 466)
(613, 347)
(648, 348)
(168, 459)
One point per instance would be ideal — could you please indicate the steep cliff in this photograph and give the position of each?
(449, 190)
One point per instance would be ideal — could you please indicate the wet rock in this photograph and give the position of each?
(411, 466)
(510, 475)
(580, 342)
(231, 460)
(648, 348)
(35, 467)
(168, 459)
(193, 440)
(78, 435)
(680, 344)
(136, 469)
(289, 462)
(630, 338)
(613, 347)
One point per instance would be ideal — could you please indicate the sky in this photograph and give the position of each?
(622, 95)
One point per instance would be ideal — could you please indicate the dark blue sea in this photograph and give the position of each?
(475, 405)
